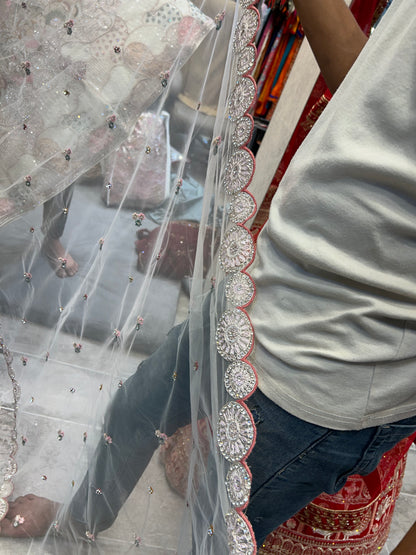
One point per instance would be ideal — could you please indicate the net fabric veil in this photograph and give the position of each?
(124, 194)
(74, 77)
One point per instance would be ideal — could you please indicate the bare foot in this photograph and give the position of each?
(29, 516)
(60, 260)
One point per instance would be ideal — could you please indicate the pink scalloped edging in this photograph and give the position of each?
(240, 510)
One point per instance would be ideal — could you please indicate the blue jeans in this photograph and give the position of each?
(292, 462)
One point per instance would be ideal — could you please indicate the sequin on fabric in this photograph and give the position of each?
(246, 29)
(237, 249)
(246, 59)
(242, 131)
(242, 208)
(235, 431)
(240, 379)
(242, 98)
(238, 172)
(238, 484)
(246, 3)
(240, 541)
(239, 289)
(234, 335)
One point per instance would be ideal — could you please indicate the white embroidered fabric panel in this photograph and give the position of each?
(234, 336)
(238, 483)
(240, 380)
(237, 249)
(239, 289)
(240, 541)
(242, 131)
(238, 172)
(242, 207)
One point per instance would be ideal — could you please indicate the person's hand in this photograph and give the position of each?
(28, 517)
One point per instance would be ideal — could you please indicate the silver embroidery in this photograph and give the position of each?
(246, 59)
(238, 484)
(239, 289)
(240, 541)
(238, 172)
(235, 431)
(241, 208)
(234, 335)
(237, 249)
(246, 3)
(242, 131)
(240, 379)
(241, 98)
(246, 29)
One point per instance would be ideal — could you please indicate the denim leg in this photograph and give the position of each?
(294, 461)
(136, 412)
(54, 217)
(386, 437)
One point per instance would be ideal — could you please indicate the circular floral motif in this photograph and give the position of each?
(6, 489)
(4, 507)
(239, 289)
(241, 208)
(241, 98)
(240, 540)
(246, 59)
(246, 29)
(10, 471)
(242, 131)
(240, 379)
(235, 432)
(238, 172)
(237, 249)
(234, 336)
(238, 484)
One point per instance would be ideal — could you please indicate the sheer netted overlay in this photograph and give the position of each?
(124, 190)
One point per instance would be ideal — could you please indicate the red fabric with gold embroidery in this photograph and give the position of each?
(354, 521)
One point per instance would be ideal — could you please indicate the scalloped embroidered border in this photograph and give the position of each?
(6, 488)
(236, 431)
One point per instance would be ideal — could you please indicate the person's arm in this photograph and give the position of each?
(334, 35)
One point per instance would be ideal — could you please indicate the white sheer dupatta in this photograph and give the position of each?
(157, 234)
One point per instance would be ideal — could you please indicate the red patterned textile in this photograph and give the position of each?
(354, 521)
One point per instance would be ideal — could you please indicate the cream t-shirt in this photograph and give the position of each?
(335, 270)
